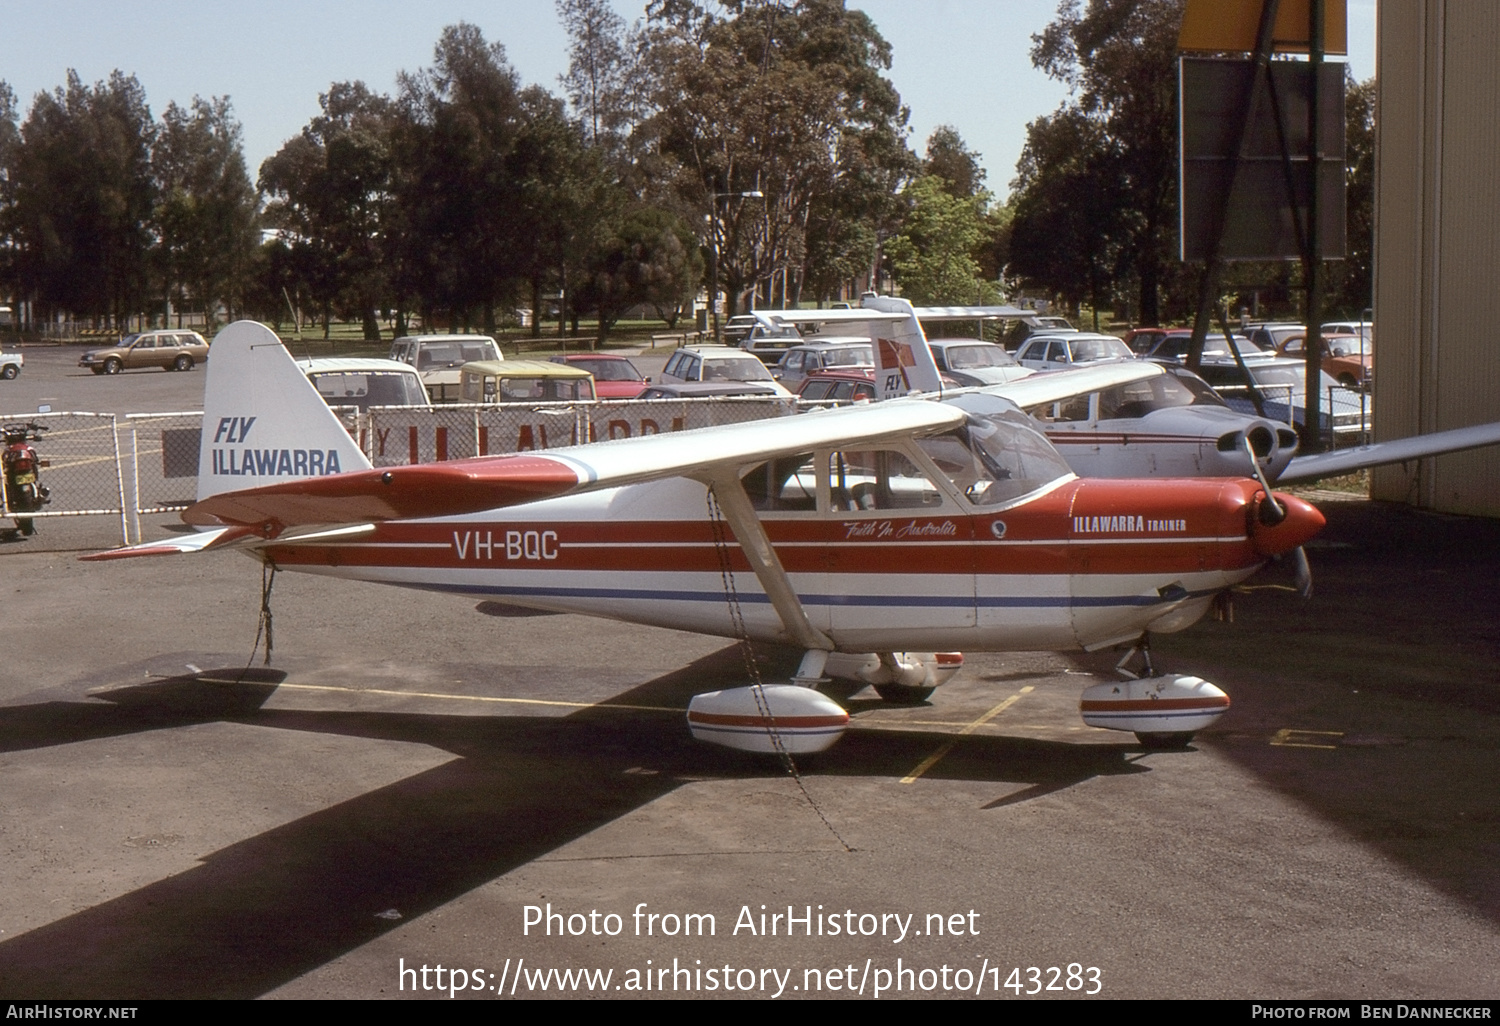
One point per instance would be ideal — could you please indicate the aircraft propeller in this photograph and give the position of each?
(1272, 513)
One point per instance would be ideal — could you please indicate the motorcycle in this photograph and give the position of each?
(24, 491)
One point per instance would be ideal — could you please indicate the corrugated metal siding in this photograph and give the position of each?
(1438, 243)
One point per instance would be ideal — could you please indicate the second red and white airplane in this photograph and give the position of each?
(881, 539)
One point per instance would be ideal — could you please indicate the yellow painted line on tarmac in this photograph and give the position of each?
(1287, 737)
(933, 759)
(467, 698)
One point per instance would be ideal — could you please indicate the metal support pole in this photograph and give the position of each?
(1313, 259)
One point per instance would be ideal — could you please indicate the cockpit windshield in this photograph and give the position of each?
(1163, 392)
(998, 456)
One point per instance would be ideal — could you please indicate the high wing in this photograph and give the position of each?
(1056, 386)
(839, 316)
(970, 313)
(1344, 461)
(494, 482)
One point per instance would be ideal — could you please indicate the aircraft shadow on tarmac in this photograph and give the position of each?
(262, 912)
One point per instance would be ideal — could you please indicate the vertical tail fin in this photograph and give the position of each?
(903, 361)
(263, 421)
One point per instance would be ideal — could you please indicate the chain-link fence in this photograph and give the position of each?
(79, 466)
(395, 435)
(162, 468)
(146, 464)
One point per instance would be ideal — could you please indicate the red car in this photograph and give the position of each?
(1346, 357)
(839, 385)
(615, 377)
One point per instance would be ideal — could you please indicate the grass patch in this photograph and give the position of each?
(1357, 483)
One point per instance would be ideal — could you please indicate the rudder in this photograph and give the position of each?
(263, 421)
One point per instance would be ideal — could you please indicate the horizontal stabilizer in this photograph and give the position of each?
(186, 545)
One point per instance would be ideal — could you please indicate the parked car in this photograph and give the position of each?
(1054, 352)
(363, 383)
(1364, 329)
(1270, 336)
(10, 365)
(707, 390)
(1283, 387)
(810, 357)
(615, 377)
(839, 386)
(438, 359)
(972, 361)
(1347, 358)
(716, 364)
(169, 350)
(768, 342)
(1141, 341)
(524, 381)
(1024, 328)
(738, 327)
(1173, 348)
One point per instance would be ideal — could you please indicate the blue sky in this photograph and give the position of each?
(958, 62)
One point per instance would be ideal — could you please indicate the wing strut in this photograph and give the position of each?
(754, 543)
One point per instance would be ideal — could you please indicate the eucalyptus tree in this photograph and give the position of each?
(1119, 58)
(647, 257)
(206, 213)
(933, 256)
(1069, 229)
(330, 193)
(81, 196)
(936, 256)
(598, 82)
(464, 246)
(785, 101)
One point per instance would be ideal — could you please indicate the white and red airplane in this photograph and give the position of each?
(865, 536)
(1156, 422)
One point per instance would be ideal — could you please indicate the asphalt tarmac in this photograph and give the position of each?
(415, 782)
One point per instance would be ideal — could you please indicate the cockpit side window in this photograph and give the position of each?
(1071, 410)
(788, 484)
(878, 479)
(1015, 457)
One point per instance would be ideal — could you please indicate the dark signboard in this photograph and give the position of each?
(1260, 212)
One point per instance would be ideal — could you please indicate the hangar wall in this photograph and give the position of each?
(1437, 244)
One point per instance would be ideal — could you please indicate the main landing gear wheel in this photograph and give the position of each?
(1174, 741)
(903, 694)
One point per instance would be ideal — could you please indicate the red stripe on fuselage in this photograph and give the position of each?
(1155, 704)
(1041, 538)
